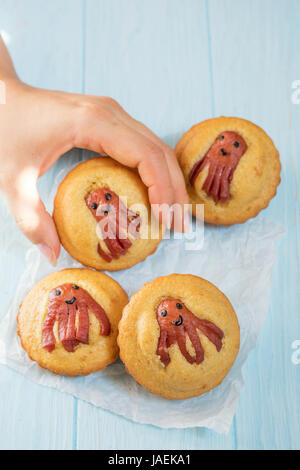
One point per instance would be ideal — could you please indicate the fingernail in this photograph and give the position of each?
(48, 253)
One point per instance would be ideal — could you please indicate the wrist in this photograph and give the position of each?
(11, 85)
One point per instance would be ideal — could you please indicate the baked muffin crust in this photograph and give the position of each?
(140, 335)
(82, 359)
(78, 225)
(254, 181)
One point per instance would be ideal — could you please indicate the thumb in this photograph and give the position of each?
(31, 216)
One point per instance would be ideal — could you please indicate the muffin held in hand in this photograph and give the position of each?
(68, 322)
(179, 336)
(231, 166)
(103, 217)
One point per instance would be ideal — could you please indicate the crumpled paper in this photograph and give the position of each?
(237, 259)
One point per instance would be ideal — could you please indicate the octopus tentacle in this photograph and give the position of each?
(71, 330)
(171, 338)
(125, 243)
(106, 256)
(176, 322)
(66, 302)
(62, 322)
(195, 340)
(70, 345)
(82, 332)
(197, 168)
(134, 227)
(63, 326)
(223, 157)
(210, 178)
(100, 315)
(114, 221)
(213, 333)
(181, 340)
(114, 246)
(110, 238)
(47, 331)
(215, 188)
(122, 237)
(224, 188)
(70, 341)
(122, 218)
(162, 348)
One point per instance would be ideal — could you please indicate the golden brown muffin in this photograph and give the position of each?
(231, 166)
(103, 217)
(179, 336)
(68, 322)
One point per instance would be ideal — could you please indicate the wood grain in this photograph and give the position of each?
(170, 63)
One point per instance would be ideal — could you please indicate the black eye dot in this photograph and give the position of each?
(94, 206)
(236, 144)
(75, 287)
(221, 137)
(164, 313)
(179, 306)
(108, 196)
(57, 292)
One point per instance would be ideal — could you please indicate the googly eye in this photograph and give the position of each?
(164, 313)
(221, 137)
(94, 206)
(57, 292)
(179, 306)
(108, 196)
(236, 144)
(75, 287)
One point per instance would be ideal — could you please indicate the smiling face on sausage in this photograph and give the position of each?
(102, 201)
(65, 293)
(169, 313)
(176, 321)
(227, 144)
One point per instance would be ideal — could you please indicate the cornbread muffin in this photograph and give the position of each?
(103, 217)
(179, 336)
(231, 166)
(68, 321)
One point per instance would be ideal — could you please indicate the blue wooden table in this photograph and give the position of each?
(170, 63)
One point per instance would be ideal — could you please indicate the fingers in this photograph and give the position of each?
(135, 150)
(31, 216)
(133, 144)
(180, 194)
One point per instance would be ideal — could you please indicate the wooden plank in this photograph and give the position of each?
(45, 42)
(99, 429)
(162, 61)
(152, 57)
(254, 59)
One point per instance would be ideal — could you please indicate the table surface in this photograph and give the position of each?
(170, 63)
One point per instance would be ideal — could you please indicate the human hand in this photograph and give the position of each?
(38, 126)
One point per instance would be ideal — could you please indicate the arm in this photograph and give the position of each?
(37, 126)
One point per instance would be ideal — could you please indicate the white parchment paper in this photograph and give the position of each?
(237, 259)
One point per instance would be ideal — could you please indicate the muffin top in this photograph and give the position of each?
(68, 321)
(179, 336)
(231, 166)
(103, 216)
